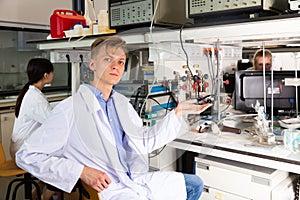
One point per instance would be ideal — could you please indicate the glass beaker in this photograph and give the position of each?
(291, 139)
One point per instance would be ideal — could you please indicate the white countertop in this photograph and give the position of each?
(239, 147)
(50, 95)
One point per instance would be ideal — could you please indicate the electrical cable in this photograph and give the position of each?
(181, 43)
(225, 108)
(296, 75)
(135, 104)
(81, 38)
(68, 58)
(159, 103)
(152, 20)
(272, 98)
(157, 153)
(69, 40)
(69, 65)
(209, 66)
(81, 64)
(168, 103)
(217, 88)
(151, 36)
(264, 76)
(213, 77)
(297, 193)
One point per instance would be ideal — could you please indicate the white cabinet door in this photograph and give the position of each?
(6, 128)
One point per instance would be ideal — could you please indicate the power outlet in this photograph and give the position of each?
(62, 56)
(84, 55)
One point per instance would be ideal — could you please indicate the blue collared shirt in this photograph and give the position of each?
(113, 119)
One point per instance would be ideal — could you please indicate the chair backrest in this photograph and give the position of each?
(2, 155)
(89, 193)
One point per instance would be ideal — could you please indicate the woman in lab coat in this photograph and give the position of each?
(79, 139)
(32, 108)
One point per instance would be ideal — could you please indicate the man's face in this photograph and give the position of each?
(260, 61)
(108, 66)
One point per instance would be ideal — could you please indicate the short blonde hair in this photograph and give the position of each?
(260, 53)
(107, 41)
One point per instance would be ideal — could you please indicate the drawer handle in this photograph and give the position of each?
(202, 166)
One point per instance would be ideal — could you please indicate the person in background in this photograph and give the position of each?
(98, 137)
(258, 64)
(32, 108)
(259, 58)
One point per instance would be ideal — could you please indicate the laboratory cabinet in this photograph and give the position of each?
(163, 159)
(231, 180)
(15, 54)
(7, 119)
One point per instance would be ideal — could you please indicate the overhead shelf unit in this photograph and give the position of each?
(270, 32)
(252, 34)
(84, 42)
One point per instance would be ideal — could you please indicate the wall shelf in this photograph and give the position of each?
(269, 32)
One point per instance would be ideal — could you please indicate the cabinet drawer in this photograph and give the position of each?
(241, 179)
(215, 194)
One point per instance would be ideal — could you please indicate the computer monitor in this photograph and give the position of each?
(249, 87)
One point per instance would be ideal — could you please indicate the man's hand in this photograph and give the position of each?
(95, 178)
(190, 107)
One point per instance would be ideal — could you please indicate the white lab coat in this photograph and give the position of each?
(34, 110)
(75, 136)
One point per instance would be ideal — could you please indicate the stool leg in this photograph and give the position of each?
(62, 195)
(27, 181)
(38, 190)
(80, 189)
(9, 187)
(28, 186)
(16, 189)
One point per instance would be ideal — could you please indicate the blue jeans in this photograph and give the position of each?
(194, 186)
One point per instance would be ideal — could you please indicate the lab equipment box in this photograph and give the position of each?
(232, 180)
(204, 7)
(137, 13)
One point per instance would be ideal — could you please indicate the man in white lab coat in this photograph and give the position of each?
(97, 136)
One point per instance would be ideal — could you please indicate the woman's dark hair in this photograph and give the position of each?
(36, 69)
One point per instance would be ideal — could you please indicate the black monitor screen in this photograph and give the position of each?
(249, 87)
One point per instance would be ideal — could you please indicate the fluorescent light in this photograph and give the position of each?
(293, 45)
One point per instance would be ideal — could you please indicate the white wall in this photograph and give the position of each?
(286, 61)
(36, 13)
(30, 13)
(100, 5)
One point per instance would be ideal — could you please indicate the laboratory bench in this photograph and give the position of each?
(239, 147)
(237, 166)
